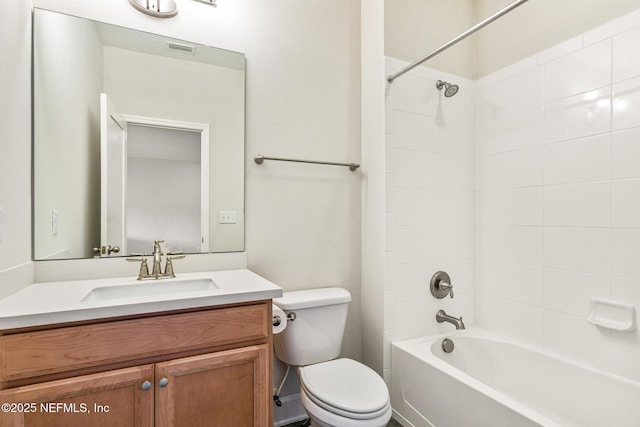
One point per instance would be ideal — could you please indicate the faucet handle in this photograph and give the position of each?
(446, 286)
(144, 267)
(157, 249)
(168, 267)
(441, 285)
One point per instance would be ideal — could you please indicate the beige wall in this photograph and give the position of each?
(413, 28)
(536, 26)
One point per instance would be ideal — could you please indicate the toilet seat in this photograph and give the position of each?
(346, 388)
(323, 418)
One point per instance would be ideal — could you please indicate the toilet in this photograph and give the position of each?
(334, 392)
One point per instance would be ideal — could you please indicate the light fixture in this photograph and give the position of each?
(157, 8)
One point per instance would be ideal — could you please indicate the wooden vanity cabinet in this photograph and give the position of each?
(202, 368)
(215, 386)
(107, 399)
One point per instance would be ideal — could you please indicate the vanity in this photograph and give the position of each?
(193, 357)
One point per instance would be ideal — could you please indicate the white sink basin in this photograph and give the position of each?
(150, 288)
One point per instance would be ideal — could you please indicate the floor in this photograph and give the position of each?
(392, 423)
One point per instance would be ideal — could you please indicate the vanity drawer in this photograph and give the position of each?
(39, 353)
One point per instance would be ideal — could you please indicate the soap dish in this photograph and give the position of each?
(612, 315)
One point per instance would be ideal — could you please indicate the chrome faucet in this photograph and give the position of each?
(441, 316)
(156, 272)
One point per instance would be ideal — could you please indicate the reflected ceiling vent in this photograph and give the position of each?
(182, 48)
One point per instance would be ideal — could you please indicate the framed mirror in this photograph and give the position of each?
(136, 137)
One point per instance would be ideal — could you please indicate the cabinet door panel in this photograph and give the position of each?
(108, 399)
(227, 388)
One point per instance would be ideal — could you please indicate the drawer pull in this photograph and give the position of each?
(163, 382)
(146, 386)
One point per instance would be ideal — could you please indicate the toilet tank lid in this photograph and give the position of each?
(295, 300)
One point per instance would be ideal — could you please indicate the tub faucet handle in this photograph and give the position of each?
(446, 286)
(441, 285)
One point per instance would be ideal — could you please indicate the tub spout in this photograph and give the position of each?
(441, 316)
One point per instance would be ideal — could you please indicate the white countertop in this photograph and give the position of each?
(61, 302)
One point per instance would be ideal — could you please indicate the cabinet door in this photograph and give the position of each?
(108, 399)
(227, 388)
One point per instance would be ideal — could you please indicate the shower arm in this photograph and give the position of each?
(479, 25)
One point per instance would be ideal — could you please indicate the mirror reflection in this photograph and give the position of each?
(137, 137)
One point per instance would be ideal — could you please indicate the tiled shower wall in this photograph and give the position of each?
(554, 164)
(558, 195)
(430, 201)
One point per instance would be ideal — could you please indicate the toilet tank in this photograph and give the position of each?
(316, 333)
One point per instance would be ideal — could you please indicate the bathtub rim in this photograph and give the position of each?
(420, 348)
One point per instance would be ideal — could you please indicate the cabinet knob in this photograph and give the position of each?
(163, 382)
(146, 386)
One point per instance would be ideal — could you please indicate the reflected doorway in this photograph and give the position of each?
(166, 187)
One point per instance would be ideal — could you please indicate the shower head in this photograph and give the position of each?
(449, 89)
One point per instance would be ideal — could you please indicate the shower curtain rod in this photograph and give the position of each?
(507, 9)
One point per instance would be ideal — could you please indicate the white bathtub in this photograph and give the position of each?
(490, 380)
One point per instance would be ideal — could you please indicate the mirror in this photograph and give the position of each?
(136, 137)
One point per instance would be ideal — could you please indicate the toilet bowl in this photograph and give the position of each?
(344, 393)
(334, 392)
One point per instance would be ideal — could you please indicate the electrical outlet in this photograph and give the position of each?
(227, 217)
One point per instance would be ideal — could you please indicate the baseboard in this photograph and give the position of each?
(401, 420)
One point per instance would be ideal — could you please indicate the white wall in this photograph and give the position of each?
(429, 201)
(67, 110)
(558, 185)
(553, 160)
(303, 101)
(15, 141)
(373, 194)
